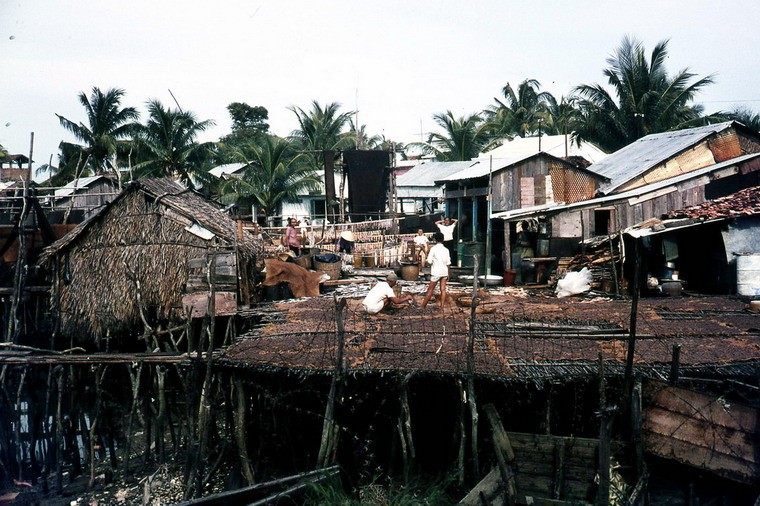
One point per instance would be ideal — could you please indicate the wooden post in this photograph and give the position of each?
(603, 495)
(471, 375)
(240, 432)
(632, 325)
(614, 268)
(462, 433)
(328, 424)
(504, 453)
(559, 473)
(636, 430)
(135, 379)
(675, 364)
(405, 428)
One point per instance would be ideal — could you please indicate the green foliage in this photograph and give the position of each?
(520, 113)
(249, 125)
(274, 172)
(746, 117)
(167, 146)
(321, 129)
(463, 138)
(646, 99)
(105, 135)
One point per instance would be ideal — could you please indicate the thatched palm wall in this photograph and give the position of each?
(136, 236)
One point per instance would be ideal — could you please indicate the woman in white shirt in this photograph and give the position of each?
(447, 226)
(439, 260)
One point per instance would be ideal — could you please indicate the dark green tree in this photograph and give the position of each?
(519, 113)
(462, 138)
(746, 117)
(321, 129)
(106, 133)
(275, 171)
(168, 146)
(643, 100)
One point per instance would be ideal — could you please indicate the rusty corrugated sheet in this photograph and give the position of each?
(703, 431)
(725, 146)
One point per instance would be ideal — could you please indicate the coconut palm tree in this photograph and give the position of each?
(358, 138)
(643, 100)
(275, 172)
(321, 129)
(560, 117)
(463, 138)
(520, 113)
(746, 117)
(107, 132)
(167, 146)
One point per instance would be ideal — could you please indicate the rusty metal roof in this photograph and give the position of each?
(742, 203)
(648, 152)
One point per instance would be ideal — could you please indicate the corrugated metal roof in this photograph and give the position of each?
(552, 144)
(427, 172)
(77, 184)
(650, 151)
(636, 192)
(482, 166)
(227, 168)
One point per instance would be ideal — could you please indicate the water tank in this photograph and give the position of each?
(748, 275)
(467, 250)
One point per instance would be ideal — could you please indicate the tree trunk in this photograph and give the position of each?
(240, 407)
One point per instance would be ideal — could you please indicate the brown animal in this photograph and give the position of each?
(303, 283)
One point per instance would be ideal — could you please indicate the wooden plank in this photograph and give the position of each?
(225, 303)
(732, 468)
(705, 407)
(699, 433)
(702, 431)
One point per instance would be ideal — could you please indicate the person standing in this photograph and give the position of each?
(291, 237)
(439, 260)
(446, 226)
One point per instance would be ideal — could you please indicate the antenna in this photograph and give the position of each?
(175, 101)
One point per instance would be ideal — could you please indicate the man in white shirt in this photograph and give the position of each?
(446, 227)
(439, 260)
(382, 295)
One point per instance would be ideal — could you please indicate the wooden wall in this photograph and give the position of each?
(704, 431)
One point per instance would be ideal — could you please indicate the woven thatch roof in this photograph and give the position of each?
(145, 237)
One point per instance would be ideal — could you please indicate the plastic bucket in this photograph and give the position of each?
(509, 277)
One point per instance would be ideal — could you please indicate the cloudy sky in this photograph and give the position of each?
(395, 62)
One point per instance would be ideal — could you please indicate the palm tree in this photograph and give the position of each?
(107, 132)
(520, 113)
(168, 147)
(463, 138)
(321, 129)
(358, 138)
(275, 172)
(646, 99)
(746, 117)
(560, 117)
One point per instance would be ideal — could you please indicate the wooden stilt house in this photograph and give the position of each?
(154, 254)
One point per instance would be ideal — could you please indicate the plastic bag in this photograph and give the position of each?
(574, 283)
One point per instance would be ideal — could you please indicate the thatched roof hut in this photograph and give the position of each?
(149, 249)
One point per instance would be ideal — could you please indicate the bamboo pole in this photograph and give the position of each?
(329, 421)
(471, 374)
(240, 432)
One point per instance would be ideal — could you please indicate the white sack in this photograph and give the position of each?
(574, 283)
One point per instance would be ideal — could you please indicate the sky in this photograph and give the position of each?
(396, 62)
